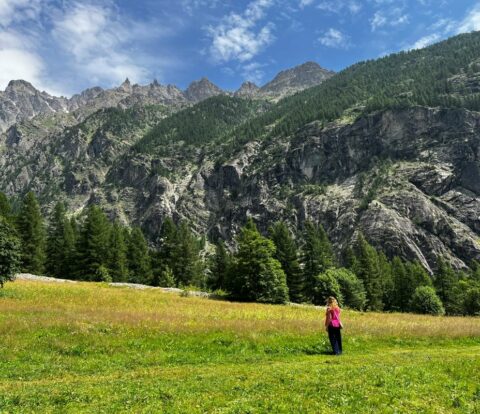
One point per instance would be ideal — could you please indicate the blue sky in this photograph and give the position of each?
(65, 46)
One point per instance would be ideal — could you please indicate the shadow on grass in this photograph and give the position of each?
(316, 350)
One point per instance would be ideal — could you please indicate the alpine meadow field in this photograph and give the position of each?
(92, 348)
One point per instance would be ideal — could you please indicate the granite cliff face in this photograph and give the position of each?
(407, 179)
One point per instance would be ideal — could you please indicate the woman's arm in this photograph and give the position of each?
(327, 319)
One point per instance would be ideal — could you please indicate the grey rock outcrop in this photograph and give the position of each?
(202, 89)
(21, 100)
(247, 90)
(296, 79)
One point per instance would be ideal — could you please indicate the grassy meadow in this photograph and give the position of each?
(91, 348)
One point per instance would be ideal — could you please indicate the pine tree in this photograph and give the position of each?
(317, 256)
(60, 244)
(401, 292)
(287, 254)
(167, 278)
(32, 234)
(10, 252)
(219, 268)
(117, 259)
(388, 285)
(70, 253)
(139, 264)
(417, 274)
(367, 269)
(475, 271)
(5, 208)
(93, 244)
(164, 257)
(256, 275)
(187, 265)
(445, 282)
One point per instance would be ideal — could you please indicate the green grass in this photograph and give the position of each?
(96, 349)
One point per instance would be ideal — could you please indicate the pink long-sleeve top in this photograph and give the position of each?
(332, 317)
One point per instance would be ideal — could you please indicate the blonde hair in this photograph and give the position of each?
(332, 302)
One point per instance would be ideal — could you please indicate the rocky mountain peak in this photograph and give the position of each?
(126, 86)
(202, 89)
(300, 77)
(21, 100)
(20, 86)
(247, 90)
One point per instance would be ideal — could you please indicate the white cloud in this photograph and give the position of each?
(334, 6)
(304, 3)
(27, 66)
(425, 41)
(393, 17)
(59, 45)
(334, 38)
(238, 38)
(97, 38)
(18, 10)
(19, 58)
(471, 22)
(446, 27)
(253, 72)
(191, 5)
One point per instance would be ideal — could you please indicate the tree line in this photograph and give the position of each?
(275, 268)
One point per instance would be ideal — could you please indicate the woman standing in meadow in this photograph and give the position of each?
(333, 325)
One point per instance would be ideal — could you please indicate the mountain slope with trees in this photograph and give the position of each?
(388, 148)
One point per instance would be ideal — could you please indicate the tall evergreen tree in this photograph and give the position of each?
(31, 229)
(60, 244)
(401, 292)
(475, 271)
(287, 254)
(93, 244)
(219, 268)
(163, 259)
(10, 252)
(117, 259)
(388, 285)
(367, 269)
(6, 208)
(256, 275)
(317, 256)
(445, 282)
(139, 265)
(187, 265)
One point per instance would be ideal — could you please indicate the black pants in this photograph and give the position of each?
(335, 336)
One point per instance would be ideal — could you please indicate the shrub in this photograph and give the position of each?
(102, 275)
(426, 301)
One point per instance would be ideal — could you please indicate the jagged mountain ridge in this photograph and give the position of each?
(396, 156)
(21, 100)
